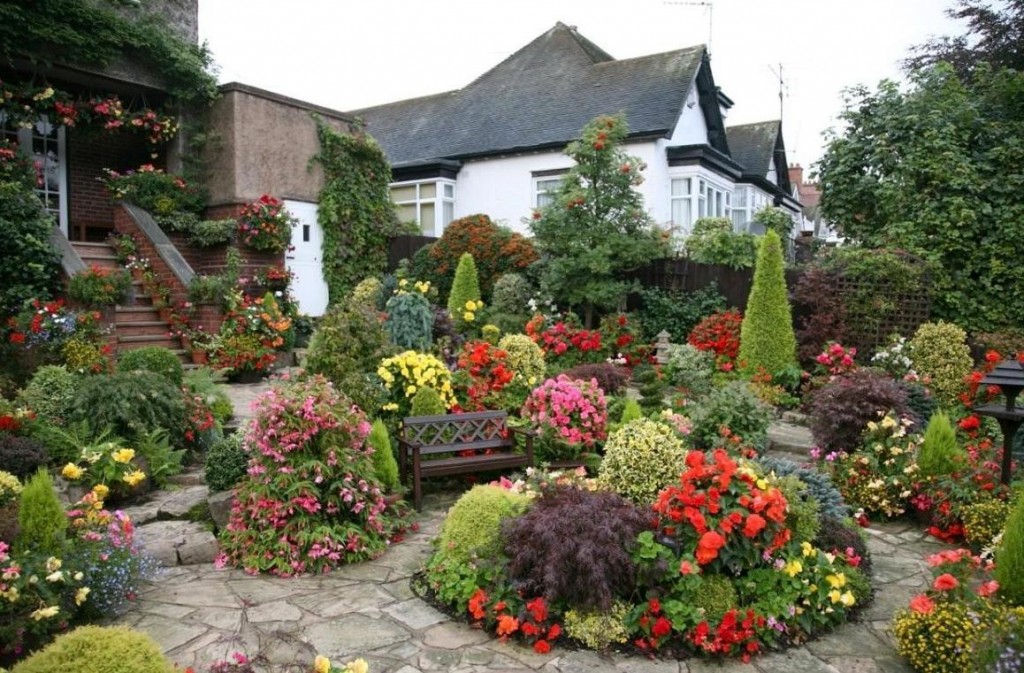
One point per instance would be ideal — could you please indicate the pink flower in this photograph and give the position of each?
(945, 582)
(922, 604)
(988, 588)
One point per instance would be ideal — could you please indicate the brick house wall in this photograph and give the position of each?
(212, 260)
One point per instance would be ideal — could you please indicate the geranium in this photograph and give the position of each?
(922, 604)
(265, 225)
(945, 582)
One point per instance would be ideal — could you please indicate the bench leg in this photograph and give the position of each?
(417, 489)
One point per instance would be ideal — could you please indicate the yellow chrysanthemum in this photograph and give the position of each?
(357, 666)
(45, 613)
(72, 472)
(101, 491)
(123, 455)
(134, 477)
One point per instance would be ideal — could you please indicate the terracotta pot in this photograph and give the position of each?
(166, 314)
(200, 357)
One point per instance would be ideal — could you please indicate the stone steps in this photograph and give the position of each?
(164, 528)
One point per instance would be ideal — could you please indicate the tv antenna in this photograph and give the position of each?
(698, 3)
(783, 86)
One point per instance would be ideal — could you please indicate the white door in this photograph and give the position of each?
(308, 286)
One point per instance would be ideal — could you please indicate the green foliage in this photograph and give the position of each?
(355, 208)
(652, 388)
(925, 169)
(940, 453)
(208, 289)
(465, 289)
(511, 294)
(983, 521)
(367, 292)
(714, 596)
(156, 359)
(766, 338)
(427, 402)
(495, 249)
(208, 233)
(473, 526)
(98, 649)
(690, 369)
(714, 242)
(349, 342)
(640, 459)
(1009, 570)
(802, 511)
(96, 286)
(226, 463)
(384, 464)
(161, 460)
(733, 406)
(774, 219)
(596, 228)
(41, 519)
(599, 629)
(524, 357)
(676, 312)
(940, 352)
(631, 411)
(49, 393)
(199, 381)
(410, 321)
(130, 403)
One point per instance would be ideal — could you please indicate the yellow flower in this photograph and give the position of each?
(55, 576)
(403, 283)
(72, 472)
(357, 666)
(808, 549)
(81, 595)
(470, 305)
(468, 316)
(123, 455)
(762, 484)
(410, 391)
(836, 581)
(101, 491)
(321, 664)
(888, 422)
(793, 568)
(134, 477)
(53, 564)
(847, 599)
(834, 596)
(45, 613)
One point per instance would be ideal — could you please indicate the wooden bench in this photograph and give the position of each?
(443, 438)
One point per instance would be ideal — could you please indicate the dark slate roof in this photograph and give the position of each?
(540, 96)
(753, 145)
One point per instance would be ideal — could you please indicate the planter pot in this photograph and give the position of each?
(165, 314)
(200, 357)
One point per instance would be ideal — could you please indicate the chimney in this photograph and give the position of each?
(796, 175)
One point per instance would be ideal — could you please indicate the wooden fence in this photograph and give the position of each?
(688, 276)
(404, 247)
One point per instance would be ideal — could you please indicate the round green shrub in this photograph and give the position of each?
(766, 337)
(596, 629)
(690, 368)
(427, 402)
(1009, 570)
(199, 381)
(714, 597)
(803, 512)
(98, 649)
(130, 403)
(41, 519)
(525, 357)
(410, 321)
(49, 393)
(226, 463)
(984, 520)
(512, 293)
(473, 526)
(153, 359)
(940, 453)
(641, 458)
(384, 463)
(367, 292)
(940, 352)
(734, 406)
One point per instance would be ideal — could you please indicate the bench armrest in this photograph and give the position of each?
(526, 432)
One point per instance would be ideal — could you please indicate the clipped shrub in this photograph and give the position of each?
(631, 411)
(496, 251)
(714, 596)
(41, 519)
(597, 629)
(940, 352)
(130, 403)
(591, 532)
(384, 463)
(511, 295)
(324, 506)
(714, 242)
(840, 410)
(473, 525)
(651, 387)
(766, 337)
(49, 393)
(410, 321)
(640, 459)
(349, 342)
(676, 312)
(524, 357)
(465, 289)
(733, 406)
(1009, 570)
(156, 359)
(490, 333)
(803, 513)
(819, 485)
(21, 456)
(367, 292)
(610, 378)
(426, 402)
(983, 521)
(837, 534)
(98, 649)
(940, 453)
(690, 368)
(226, 463)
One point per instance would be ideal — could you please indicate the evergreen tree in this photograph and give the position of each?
(1009, 570)
(465, 288)
(766, 336)
(41, 520)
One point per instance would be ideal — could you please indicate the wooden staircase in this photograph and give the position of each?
(137, 323)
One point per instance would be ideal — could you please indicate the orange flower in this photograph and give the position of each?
(507, 625)
(922, 604)
(476, 604)
(708, 546)
(945, 582)
(754, 525)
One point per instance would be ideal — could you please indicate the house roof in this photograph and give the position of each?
(753, 145)
(540, 96)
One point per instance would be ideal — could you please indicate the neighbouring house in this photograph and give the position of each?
(495, 146)
(810, 199)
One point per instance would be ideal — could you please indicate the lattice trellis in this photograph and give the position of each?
(889, 311)
(464, 429)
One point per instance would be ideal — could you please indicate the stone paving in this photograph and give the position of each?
(200, 614)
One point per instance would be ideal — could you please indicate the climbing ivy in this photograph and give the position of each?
(355, 210)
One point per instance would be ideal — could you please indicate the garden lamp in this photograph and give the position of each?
(1009, 376)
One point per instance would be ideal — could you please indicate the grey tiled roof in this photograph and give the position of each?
(542, 95)
(753, 145)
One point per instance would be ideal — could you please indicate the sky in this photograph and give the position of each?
(347, 55)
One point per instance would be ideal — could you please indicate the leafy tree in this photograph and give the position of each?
(994, 36)
(935, 170)
(596, 229)
(766, 336)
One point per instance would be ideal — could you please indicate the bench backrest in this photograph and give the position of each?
(475, 430)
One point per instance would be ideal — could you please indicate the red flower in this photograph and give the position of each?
(662, 627)
(654, 606)
(922, 604)
(988, 588)
(554, 631)
(970, 423)
(707, 548)
(541, 647)
(476, 604)
(754, 525)
(537, 609)
(945, 582)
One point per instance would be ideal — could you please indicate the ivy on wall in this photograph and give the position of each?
(355, 209)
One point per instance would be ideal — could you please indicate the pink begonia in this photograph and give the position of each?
(573, 410)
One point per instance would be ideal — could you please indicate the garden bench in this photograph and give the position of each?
(444, 439)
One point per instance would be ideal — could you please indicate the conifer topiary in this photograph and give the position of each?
(1009, 570)
(384, 463)
(766, 337)
(465, 288)
(631, 411)
(41, 519)
(427, 402)
(940, 452)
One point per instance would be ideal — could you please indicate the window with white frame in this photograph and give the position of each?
(428, 203)
(681, 206)
(713, 200)
(544, 189)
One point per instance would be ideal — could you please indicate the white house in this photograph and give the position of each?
(495, 146)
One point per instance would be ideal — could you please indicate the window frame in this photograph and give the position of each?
(440, 201)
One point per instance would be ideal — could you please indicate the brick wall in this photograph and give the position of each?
(126, 225)
(90, 209)
(207, 261)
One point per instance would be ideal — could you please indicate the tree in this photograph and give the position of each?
(935, 170)
(596, 229)
(465, 288)
(994, 36)
(766, 335)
